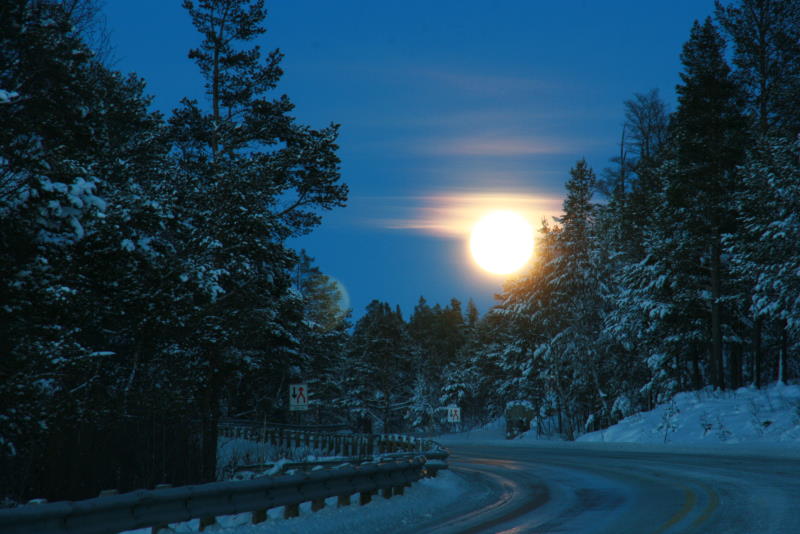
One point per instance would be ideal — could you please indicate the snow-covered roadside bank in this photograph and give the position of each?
(745, 416)
(747, 421)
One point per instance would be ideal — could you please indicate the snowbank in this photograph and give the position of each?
(491, 432)
(747, 415)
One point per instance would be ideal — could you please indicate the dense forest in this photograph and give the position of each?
(148, 289)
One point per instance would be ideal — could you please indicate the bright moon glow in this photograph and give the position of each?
(501, 242)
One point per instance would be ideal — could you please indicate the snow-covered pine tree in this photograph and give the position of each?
(47, 193)
(86, 257)
(247, 177)
(766, 53)
(678, 286)
(378, 372)
(764, 250)
(709, 134)
(577, 297)
(481, 379)
(323, 339)
(439, 335)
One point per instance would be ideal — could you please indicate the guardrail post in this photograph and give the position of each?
(206, 522)
(343, 500)
(291, 510)
(399, 490)
(317, 505)
(387, 493)
(163, 526)
(364, 497)
(258, 516)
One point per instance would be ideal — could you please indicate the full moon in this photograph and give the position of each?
(501, 242)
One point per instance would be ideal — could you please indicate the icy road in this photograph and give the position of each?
(594, 489)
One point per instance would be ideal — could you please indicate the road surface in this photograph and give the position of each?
(586, 490)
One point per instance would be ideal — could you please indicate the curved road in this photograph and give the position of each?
(589, 489)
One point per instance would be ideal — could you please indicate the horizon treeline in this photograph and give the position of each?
(147, 289)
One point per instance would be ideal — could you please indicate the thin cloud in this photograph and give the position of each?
(485, 84)
(495, 145)
(453, 215)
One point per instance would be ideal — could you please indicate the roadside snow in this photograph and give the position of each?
(747, 415)
(748, 421)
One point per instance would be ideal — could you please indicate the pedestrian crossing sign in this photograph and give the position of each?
(298, 397)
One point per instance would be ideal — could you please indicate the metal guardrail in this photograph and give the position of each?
(385, 462)
(230, 421)
(364, 446)
(435, 460)
(159, 507)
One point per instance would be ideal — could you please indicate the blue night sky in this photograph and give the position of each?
(448, 109)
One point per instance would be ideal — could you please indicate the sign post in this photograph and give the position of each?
(298, 397)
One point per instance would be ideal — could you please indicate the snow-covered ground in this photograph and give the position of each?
(747, 415)
(235, 452)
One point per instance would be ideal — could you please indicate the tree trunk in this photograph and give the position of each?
(757, 356)
(697, 379)
(736, 366)
(560, 415)
(784, 355)
(716, 312)
(210, 425)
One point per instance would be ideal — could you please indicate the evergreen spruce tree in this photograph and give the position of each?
(86, 261)
(709, 138)
(247, 178)
(764, 249)
(323, 338)
(380, 377)
(766, 52)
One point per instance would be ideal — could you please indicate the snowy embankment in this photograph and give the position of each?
(745, 421)
(747, 415)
